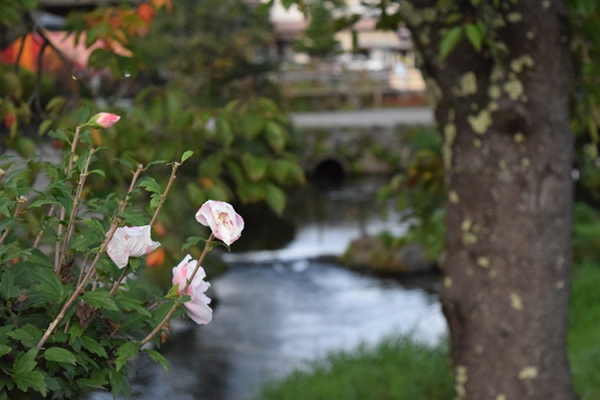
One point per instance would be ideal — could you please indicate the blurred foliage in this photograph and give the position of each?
(187, 75)
(586, 238)
(318, 39)
(214, 50)
(419, 189)
(71, 320)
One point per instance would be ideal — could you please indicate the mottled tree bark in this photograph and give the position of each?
(504, 113)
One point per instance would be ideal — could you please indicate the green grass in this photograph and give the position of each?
(397, 368)
(584, 331)
(400, 369)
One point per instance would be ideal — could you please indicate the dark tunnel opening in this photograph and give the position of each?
(329, 172)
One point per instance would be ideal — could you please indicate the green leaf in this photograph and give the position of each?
(127, 351)
(191, 241)
(186, 155)
(100, 299)
(50, 285)
(253, 123)
(59, 134)
(276, 136)
(159, 358)
(224, 131)
(93, 346)
(450, 40)
(211, 166)
(128, 303)
(150, 184)
(30, 379)
(475, 35)
(97, 380)
(4, 349)
(25, 362)
(29, 335)
(275, 198)
(60, 355)
(255, 167)
(8, 290)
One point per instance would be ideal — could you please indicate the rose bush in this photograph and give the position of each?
(71, 319)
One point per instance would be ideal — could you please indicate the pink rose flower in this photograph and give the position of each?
(130, 242)
(103, 120)
(222, 219)
(197, 308)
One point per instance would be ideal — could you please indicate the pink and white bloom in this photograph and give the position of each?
(222, 219)
(103, 120)
(197, 308)
(130, 242)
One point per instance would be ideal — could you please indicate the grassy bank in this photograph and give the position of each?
(401, 369)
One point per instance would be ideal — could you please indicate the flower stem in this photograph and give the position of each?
(163, 197)
(76, 200)
(79, 289)
(182, 293)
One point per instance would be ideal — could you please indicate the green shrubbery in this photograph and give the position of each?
(71, 317)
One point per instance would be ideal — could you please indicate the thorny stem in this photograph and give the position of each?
(79, 289)
(163, 197)
(182, 292)
(76, 200)
(20, 201)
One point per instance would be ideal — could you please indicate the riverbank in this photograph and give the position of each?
(401, 368)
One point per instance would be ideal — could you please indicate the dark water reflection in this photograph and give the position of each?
(279, 309)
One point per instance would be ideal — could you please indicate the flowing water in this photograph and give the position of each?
(279, 309)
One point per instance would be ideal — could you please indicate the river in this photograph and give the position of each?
(279, 309)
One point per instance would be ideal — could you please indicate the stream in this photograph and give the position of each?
(279, 309)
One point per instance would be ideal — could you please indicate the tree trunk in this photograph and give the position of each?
(504, 113)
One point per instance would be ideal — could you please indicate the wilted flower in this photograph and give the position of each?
(103, 120)
(222, 219)
(130, 242)
(197, 308)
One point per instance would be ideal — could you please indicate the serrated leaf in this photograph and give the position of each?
(59, 134)
(150, 184)
(30, 379)
(50, 285)
(94, 346)
(100, 299)
(128, 303)
(191, 241)
(8, 290)
(25, 362)
(60, 355)
(186, 155)
(450, 40)
(127, 351)
(29, 335)
(159, 358)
